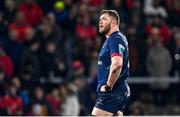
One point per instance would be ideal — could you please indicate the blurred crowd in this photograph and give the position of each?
(49, 51)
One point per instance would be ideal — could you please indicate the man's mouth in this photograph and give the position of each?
(100, 26)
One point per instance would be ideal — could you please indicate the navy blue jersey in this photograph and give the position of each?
(115, 45)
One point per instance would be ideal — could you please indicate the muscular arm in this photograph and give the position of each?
(115, 70)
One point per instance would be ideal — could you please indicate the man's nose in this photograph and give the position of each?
(100, 22)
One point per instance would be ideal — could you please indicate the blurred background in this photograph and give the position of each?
(49, 51)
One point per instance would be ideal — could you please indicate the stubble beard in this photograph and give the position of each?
(106, 29)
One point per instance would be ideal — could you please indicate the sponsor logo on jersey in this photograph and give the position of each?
(121, 49)
(99, 62)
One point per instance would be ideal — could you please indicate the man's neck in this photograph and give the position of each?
(111, 31)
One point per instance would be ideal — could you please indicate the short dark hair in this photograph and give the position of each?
(112, 13)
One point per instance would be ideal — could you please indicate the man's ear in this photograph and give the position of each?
(114, 23)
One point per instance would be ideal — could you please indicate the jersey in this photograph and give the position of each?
(115, 45)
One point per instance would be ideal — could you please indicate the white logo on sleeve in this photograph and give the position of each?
(121, 49)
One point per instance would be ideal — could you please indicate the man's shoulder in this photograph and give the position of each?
(119, 37)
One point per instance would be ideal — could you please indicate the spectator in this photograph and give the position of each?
(23, 93)
(164, 32)
(13, 49)
(40, 106)
(153, 36)
(84, 30)
(61, 13)
(33, 13)
(83, 9)
(46, 31)
(53, 61)
(78, 69)
(31, 58)
(55, 101)
(20, 26)
(52, 21)
(158, 61)
(10, 11)
(6, 63)
(70, 104)
(12, 102)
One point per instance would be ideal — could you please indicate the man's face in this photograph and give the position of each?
(105, 23)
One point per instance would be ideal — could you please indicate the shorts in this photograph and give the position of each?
(113, 101)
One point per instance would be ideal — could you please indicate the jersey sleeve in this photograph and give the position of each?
(116, 47)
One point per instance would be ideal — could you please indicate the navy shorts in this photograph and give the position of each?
(113, 101)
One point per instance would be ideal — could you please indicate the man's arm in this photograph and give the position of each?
(115, 70)
(116, 49)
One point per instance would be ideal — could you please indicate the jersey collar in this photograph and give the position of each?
(116, 32)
